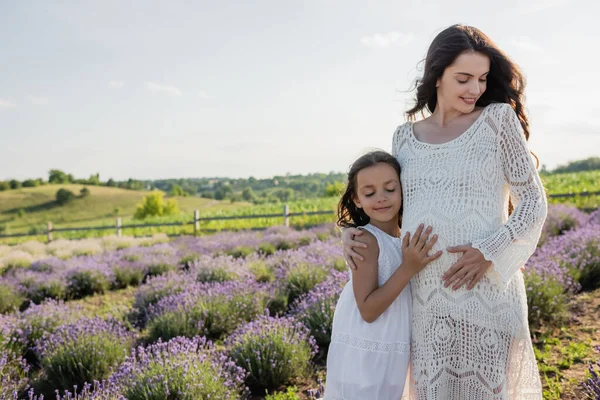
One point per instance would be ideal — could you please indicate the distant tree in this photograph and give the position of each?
(248, 194)
(84, 192)
(111, 183)
(31, 183)
(154, 204)
(134, 184)
(588, 164)
(176, 190)
(15, 184)
(284, 194)
(63, 196)
(334, 189)
(4, 186)
(94, 180)
(57, 176)
(219, 194)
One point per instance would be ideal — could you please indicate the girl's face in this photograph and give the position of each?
(378, 192)
(463, 82)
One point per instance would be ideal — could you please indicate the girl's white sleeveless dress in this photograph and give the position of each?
(370, 361)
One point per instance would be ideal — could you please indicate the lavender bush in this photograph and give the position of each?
(86, 350)
(182, 369)
(13, 374)
(38, 320)
(88, 278)
(560, 219)
(274, 351)
(154, 290)
(211, 309)
(316, 308)
(10, 295)
(591, 386)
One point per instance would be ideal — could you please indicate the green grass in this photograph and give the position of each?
(574, 182)
(28, 210)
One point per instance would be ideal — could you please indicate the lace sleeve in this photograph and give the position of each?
(512, 244)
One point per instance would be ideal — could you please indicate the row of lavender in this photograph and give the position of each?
(220, 289)
(195, 291)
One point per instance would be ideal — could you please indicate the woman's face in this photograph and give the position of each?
(463, 82)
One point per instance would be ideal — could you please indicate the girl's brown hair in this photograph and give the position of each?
(350, 216)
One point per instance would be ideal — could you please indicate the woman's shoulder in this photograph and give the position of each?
(497, 111)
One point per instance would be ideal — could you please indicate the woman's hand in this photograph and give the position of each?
(469, 268)
(348, 240)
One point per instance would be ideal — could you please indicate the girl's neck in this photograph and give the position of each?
(390, 227)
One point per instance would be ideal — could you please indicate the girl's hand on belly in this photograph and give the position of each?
(470, 268)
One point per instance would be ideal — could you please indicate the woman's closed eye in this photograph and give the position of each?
(481, 80)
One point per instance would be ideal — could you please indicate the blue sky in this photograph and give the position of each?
(157, 89)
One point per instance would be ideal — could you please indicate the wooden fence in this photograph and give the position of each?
(286, 215)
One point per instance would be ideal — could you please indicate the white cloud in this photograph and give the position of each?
(6, 103)
(38, 101)
(116, 84)
(164, 89)
(384, 40)
(531, 7)
(203, 95)
(525, 43)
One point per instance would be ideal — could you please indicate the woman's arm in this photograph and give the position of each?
(373, 300)
(509, 247)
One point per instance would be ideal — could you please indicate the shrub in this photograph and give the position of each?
(316, 308)
(208, 309)
(64, 196)
(84, 351)
(183, 369)
(154, 205)
(547, 301)
(274, 351)
(86, 282)
(302, 278)
(10, 297)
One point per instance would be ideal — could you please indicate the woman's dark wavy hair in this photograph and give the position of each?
(350, 216)
(505, 82)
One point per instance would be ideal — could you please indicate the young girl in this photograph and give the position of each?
(370, 345)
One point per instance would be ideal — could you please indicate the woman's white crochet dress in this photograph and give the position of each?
(471, 345)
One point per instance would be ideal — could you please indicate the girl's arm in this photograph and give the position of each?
(373, 300)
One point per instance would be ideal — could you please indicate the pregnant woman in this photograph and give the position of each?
(467, 172)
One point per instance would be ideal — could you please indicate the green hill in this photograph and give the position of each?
(30, 208)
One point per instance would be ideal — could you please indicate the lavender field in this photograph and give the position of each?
(242, 315)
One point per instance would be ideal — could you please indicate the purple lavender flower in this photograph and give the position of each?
(561, 218)
(212, 309)
(83, 351)
(181, 368)
(13, 374)
(38, 320)
(274, 351)
(591, 386)
(154, 290)
(316, 308)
